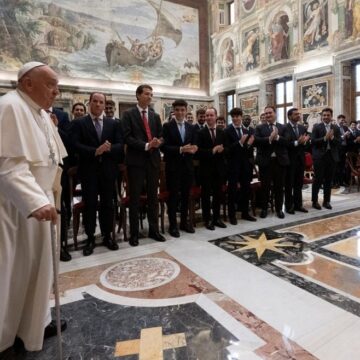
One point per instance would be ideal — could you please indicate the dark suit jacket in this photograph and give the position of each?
(135, 137)
(319, 146)
(237, 154)
(86, 142)
(296, 153)
(172, 144)
(352, 146)
(211, 164)
(265, 149)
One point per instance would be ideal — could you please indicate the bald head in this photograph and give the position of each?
(41, 85)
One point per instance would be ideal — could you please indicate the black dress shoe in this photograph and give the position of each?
(290, 211)
(134, 240)
(51, 329)
(280, 214)
(174, 232)
(89, 247)
(233, 221)
(19, 347)
(110, 243)
(156, 236)
(301, 209)
(316, 206)
(209, 226)
(187, 228)
(64, 255)
(219, 223)
(248, 217)
(263, 214)
(327, 205)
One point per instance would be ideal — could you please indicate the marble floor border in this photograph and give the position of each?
(285, 267)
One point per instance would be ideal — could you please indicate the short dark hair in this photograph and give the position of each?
(110, 102)
(78, 104)
(341, 116)
(291, 111)
(212, 108)
(180, 102)
(200, 112)
(189, 113)
(140, 89)
(97, 92)
(353, 122)
(220, 118)
(270, 107)
(236, 111)
(327, 109)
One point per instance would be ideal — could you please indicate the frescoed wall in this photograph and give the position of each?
(154, 41)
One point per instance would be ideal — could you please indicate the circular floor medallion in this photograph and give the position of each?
(139, 274)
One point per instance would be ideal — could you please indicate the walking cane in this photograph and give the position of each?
(56, 287)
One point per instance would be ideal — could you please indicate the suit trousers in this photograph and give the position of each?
(92, 186)
(272, 174)
(324, 170)
(178, 184)
(138, 176)
(293, 185)
(211, 186)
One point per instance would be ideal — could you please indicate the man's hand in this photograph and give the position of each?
(155, 143)
(105, 147)
(54, 119)
(251, 140)
(46, 213)
(329, 135)
(274, 134)
(218, 149)
(243, 139)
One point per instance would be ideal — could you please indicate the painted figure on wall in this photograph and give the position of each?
(251, 49)
(315, 24)
(227, 63)
(279, 37)
(142, 41)
(352, 18)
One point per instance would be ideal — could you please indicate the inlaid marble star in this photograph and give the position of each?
(260, 245)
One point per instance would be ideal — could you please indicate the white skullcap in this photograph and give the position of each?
(27, 67)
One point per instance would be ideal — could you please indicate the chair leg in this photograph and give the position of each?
(162, 217)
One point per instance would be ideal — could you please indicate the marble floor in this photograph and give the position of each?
(274, 289)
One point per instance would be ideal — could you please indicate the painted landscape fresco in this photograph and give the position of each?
(152, 41)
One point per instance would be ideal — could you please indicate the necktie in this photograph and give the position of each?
(182, 131)
(238, 130)
(212, 131)
(146, 125)
(328, 142)
(296, 131)
(98, 128)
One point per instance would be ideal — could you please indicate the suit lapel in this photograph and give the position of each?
(105, 129)
(175, 130)
(151, 120)
(139, 120)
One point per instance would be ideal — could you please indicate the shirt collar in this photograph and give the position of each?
(142, 109)
(93, 117)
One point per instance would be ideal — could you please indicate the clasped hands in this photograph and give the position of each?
(250, 139)
(218, 149)
(189, 149)
(105, 147)
(154, 143)
(329, 135)
(303, 139)
(274, 134)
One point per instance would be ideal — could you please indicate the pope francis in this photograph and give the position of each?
(30, 152)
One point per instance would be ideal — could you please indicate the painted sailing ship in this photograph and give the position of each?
(146, 53)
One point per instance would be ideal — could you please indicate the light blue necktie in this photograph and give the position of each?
(182, 131)
(98, 128)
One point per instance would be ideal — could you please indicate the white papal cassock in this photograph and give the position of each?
(27, 173)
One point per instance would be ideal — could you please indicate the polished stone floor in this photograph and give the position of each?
(274, 289)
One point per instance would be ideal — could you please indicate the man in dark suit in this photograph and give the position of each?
(325, 140)
(353, 142)
(110, 108)
(200, 119)
(240, 165)
(272, 158)
(297, 138)
(61, 121)
(98, 143)
(339, 177)
(142, 132)
(211, 143)
(179, 147)
(78, 110)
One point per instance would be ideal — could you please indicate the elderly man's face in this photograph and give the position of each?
(41, 84)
